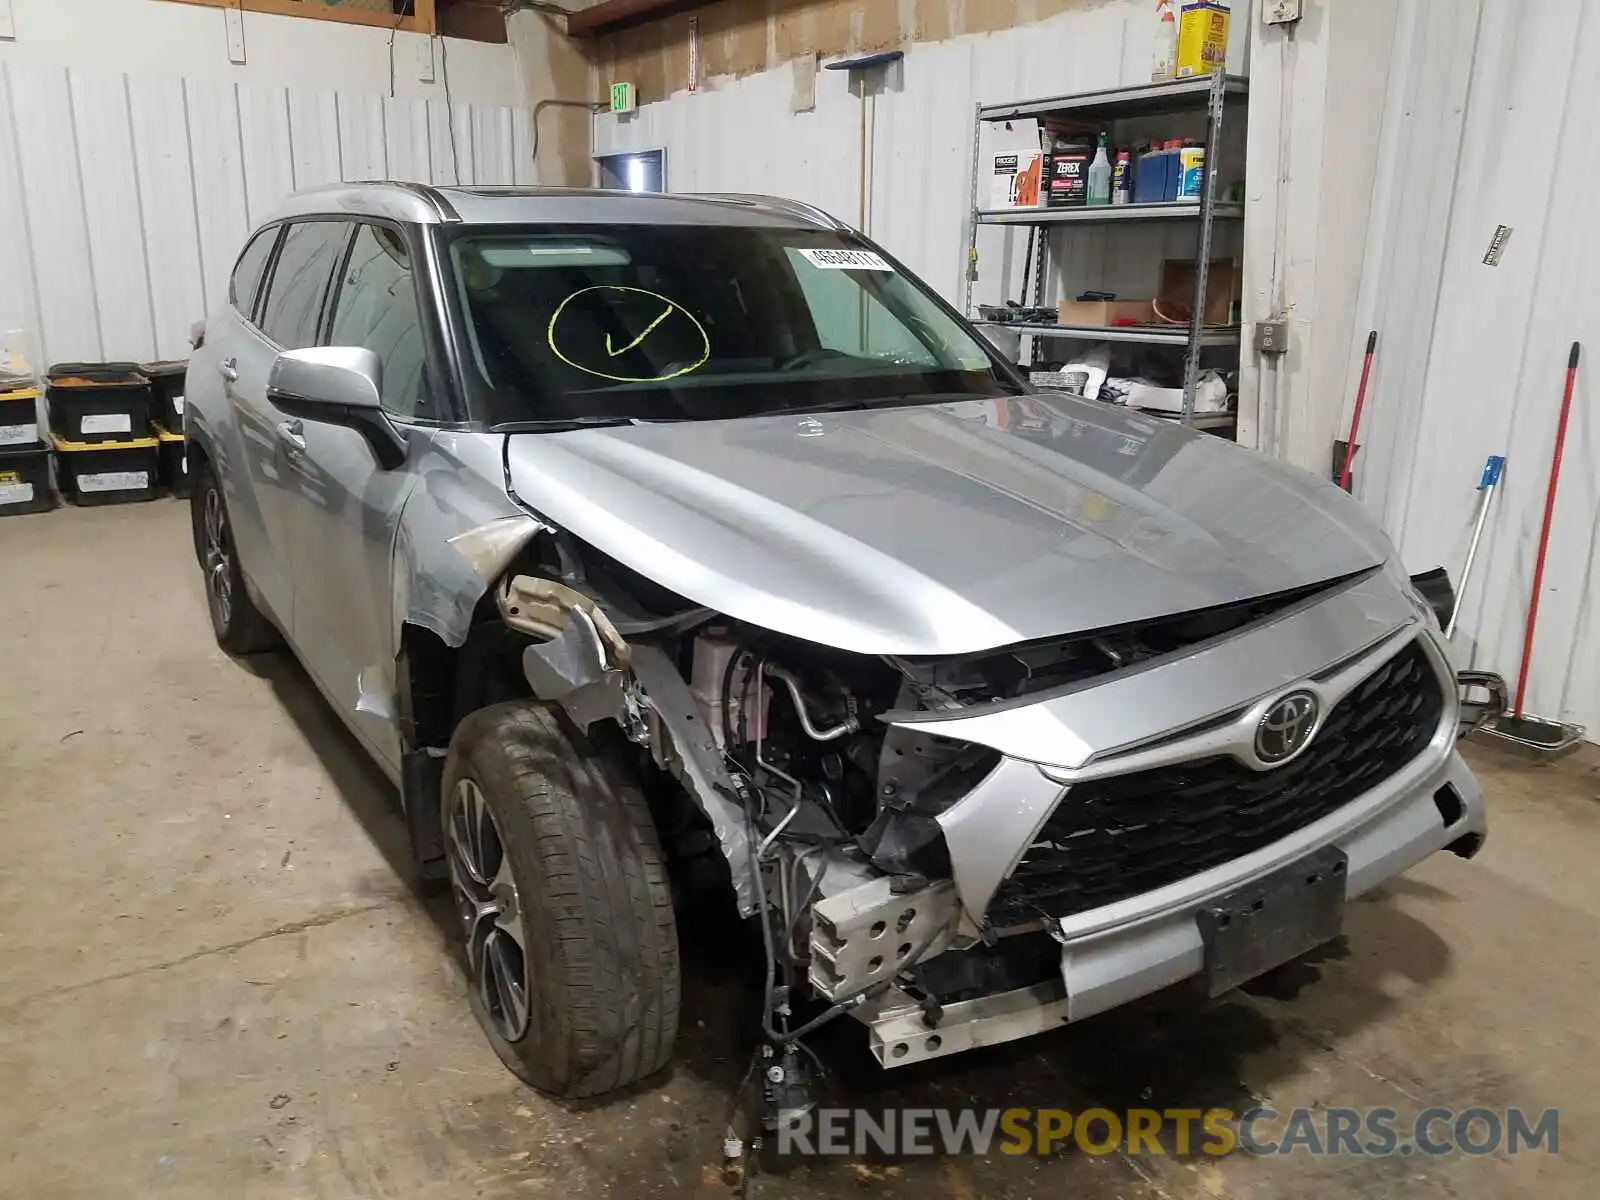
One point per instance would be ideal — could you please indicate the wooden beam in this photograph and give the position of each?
(618, 14)
(424, 21)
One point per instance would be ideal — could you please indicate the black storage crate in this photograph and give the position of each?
(107, 472)
(19, 419)
(98, 402)
(25, 480)
(174, 454)
(166, 392)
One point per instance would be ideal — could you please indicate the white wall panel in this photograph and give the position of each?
(124, 199)
(314, 138)
(42, 119)
(1494, 126)
(522, 170)
(363, 145)
(406, 138)
(18, 290)
(269, 165)
(216, 175)
(444, 145)
(111, 202)
(167, 205)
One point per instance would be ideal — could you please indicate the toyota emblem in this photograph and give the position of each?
(1286, 727)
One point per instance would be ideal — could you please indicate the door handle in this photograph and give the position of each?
(292, 435)
(228, 368)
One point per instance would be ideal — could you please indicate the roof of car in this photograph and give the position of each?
(426, 204)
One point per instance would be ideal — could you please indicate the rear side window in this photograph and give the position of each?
(377, 308)
(247, 272)
(306, 263)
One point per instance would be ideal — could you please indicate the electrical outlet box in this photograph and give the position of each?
(1272, 337)
(1280, 12)
(425, 60)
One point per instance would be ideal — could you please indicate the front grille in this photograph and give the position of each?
(1125, 835)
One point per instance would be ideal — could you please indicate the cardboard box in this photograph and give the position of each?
(1224, 285)
(1105, 312)
(1016, 180)
(1202, 37)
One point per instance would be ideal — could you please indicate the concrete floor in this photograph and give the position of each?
(213, 981)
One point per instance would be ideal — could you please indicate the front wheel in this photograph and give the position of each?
(240, 627)
(568, 934)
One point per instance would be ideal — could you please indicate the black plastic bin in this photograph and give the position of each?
(174, 455)
(19, 419)
(98, 402)
(25, 480)
(107, 472)
(166, 392)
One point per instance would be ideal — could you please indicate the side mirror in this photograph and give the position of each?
(337, 385)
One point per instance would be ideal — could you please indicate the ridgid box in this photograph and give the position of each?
(174, 455)
(166, 392)
(98, 402)
(107, 472)
(25, 480)
(19, 418)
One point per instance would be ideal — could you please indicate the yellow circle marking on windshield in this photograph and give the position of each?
(670, 307)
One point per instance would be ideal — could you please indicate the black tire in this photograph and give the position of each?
(600, 946)
(240, 627)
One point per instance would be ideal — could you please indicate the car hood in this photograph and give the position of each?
(943, 529)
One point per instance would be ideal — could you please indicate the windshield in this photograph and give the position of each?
(683, 322)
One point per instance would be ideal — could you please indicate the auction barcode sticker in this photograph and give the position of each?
(846, 260)
(114, 481)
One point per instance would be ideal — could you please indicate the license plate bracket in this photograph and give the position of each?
(1266, 923)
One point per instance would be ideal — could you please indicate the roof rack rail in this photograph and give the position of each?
(432, 195)
(795, 207)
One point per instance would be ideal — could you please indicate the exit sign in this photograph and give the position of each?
(623, 98)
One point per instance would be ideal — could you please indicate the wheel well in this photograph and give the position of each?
(197, 452)
(197, 457)
(438, 687)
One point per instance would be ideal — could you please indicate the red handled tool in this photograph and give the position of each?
(1544, 531)
(1355, 418)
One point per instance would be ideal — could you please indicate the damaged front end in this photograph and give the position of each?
(965, 850)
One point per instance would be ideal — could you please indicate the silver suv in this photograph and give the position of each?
(663, 547)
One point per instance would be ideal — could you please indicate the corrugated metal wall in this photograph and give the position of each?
(1493, 125)
(743, 136)
(124, 199)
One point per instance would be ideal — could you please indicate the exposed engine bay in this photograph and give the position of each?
(823, 806)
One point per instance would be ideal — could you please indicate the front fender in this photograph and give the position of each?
(457, 532)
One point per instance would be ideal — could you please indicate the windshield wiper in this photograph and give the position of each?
(888, 402)
(560, 424)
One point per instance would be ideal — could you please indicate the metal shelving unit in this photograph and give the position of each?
(1210, 95)
(1150, 335)
(1102, 214)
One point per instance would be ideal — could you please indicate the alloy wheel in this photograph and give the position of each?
(219, 559)
(490, 909)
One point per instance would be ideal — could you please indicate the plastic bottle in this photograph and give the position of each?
(1165, 65)
(1122, 178)
(1100, 175)
(1191, 172)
